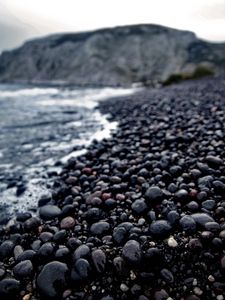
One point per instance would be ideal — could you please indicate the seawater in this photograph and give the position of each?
(40, 127)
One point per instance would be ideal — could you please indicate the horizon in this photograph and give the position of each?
(22, 20)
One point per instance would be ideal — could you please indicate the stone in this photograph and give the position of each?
(188, 224)
(49, 212)
(139, 206)
(67, 223)
(9, 288)
(6, 249)
(132, 252)
(23, 269)
(99, 260)
(100, 228)
(160, 228)
(52, 280)
(153, 195)
(202, 218)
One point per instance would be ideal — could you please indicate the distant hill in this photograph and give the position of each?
(114, 56)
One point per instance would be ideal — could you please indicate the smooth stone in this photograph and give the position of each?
(212, 226)
(202, 218)
(49, 212)
(9, 288)
(46, 251)
(81, 251)
(139, 206)
(99, 260)
(132, 252)
(27, 255)
(67, 223)
(208, 204)
(214, 161)
(153, 195)
(22, 217)
(188, 224)
(100, 228)
(160, 228)
(83, 268)
(119, 235)
(32, 223)
(52, 280)
(167, 275)
(23, 269)
(6, 249)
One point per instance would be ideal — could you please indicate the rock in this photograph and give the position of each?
(81, 251)
(188, 224)
(167, 275)
(181, 195)
(67, 223)
(160, 228)
(9, 288)
(212, 226)
(32, 223)
(132, 252)
(99, 260)
(119, 235)
(139, 206)
(27, 255)
(46, 251)
(153, 195)
(52, 280)
(49, 212)
(6, 249)
(100, 228)
(22, 217)
(208, 204)
(202, 218)
(214, 161)
(222, 261)
(23, 269)
(83, 268)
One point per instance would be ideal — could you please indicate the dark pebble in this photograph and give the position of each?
(9, 288)
(100, 228)
(49, 212)
(132, 252)
(160, 228)
(23, 269)
(52, 280)
(188, 224)
(99, 260)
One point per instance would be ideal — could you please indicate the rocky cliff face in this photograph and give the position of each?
(117, 56)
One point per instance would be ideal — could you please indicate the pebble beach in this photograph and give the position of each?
(140, 216)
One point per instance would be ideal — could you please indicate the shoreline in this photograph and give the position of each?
(139, 216)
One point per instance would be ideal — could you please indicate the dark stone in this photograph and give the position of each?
(81, 251)
(9, 288)
(153, 195)
(83, 268)
(99, 260)
(188, 224)
(167, 275)
(6, 249)
(27, 255)
(49, 212)
(139, 206)
(46, 251)
(208, 204)
(100, 228)
(160, 228)
(132, 252)
(23, 269)
(212, 226)
(202, 218)
(119, 235)
(214, 161)
(173, 217)
(32, 224)
(22, 217)
(52, 280)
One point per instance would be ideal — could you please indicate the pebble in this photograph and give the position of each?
(132, 252)
(100, 228)
(160, 228)
(153, 195)
(172, 242)
(23, 269)
(9, 288)
(49, 212)
(139, 206)
(52, 280)
(188, 224)
(67, 223)
(99, 260)
(202, 218)
(124, 288)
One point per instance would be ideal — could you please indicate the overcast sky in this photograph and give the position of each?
(25, 19)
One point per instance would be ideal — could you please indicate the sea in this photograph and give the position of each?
(41, 127)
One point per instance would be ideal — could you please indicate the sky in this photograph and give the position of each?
(25, 19)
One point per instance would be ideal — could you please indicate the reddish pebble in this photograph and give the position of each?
(67, 223)
(71, 180)
(87, 171)
(223, 262)
(106, 196)
(120, 197)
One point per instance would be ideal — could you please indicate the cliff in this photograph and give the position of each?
(115, 56)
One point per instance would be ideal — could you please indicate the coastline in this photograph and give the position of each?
(130, 218)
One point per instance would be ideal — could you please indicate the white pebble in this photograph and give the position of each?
(195, 282)
(211, 278)
(172, 242)
(198, 291)
(124, 287)
(220, 297)
(141, 221)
